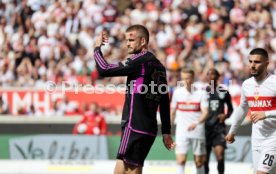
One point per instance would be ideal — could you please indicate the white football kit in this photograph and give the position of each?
(260, 96)
(188, 110)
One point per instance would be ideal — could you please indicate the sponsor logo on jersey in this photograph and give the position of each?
(214, 105)
(256, 97)
(221, 95)
(260, 103)
(188, 106)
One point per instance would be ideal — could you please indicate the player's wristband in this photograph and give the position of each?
(197, 122)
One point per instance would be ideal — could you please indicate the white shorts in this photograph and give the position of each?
(264, 159)
(183, 144)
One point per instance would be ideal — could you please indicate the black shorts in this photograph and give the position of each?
(134, 147)
(215, 137)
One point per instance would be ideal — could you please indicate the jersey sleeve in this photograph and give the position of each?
(204, 100)
(106, 69)
(229, 104)
(270, 114)
(239, 114)
(174, 100)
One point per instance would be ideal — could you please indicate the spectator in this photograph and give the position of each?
(4, 109)
(33, 111)
(92, 123)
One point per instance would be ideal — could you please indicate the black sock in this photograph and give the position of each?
(221, 166)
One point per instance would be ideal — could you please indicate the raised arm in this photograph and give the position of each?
(106, 69)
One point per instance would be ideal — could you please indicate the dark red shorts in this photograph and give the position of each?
(134, 147)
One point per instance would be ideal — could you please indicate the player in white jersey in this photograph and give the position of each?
(259, 95)
(189, 111)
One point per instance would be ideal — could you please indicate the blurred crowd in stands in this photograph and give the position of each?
(52, 40)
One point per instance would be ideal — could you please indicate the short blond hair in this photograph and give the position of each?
(188, 70)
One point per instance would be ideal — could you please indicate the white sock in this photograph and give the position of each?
(180, 169)
(200, 170)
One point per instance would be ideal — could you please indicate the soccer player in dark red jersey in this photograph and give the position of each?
(146, 91)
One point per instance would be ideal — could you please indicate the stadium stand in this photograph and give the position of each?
(52, 41)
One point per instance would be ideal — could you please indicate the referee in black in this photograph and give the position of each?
(215, 126)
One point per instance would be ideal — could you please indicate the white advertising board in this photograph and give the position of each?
(59, 147)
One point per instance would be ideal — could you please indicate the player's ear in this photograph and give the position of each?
(143, 41)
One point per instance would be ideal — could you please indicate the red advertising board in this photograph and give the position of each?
(23, 98)
(43, 100)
